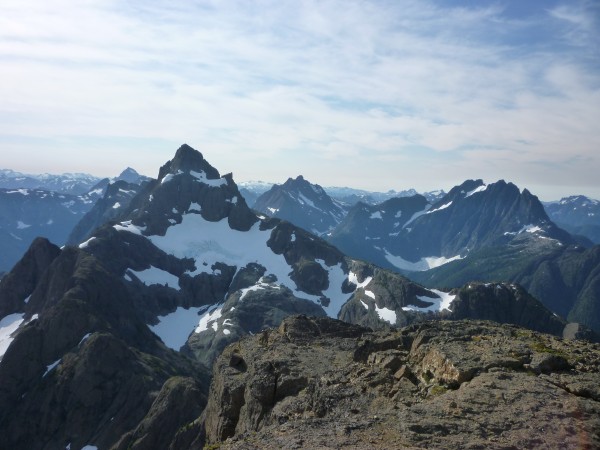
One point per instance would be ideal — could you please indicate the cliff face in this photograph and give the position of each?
(322, 383)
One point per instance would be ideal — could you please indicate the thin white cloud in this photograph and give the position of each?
(353, 87)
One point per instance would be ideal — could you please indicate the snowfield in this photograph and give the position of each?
(437, 304)
(8, 325)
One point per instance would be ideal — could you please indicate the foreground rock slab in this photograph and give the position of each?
(324, 384)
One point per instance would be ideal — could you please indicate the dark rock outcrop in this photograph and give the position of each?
(85, 369)
(18, 285)
(504, 303)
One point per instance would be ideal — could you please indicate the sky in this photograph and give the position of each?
(374, 94)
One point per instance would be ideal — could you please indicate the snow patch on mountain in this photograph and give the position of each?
(86, 243)
(476, 190)
(194, 207)
(51, 367)
(437, 304)
(416, 215)
(168, 177)
(211, 242)
(334, 291)
(175, 328)
(444, 206)
(353, 278)
(128, 226)
(305, 200)
(386, 314)
(84, 338)
(154, 275)
(210, 318)
(425, 263)
(530, 229)
(258, 286)
(8, 325)
(201, 177)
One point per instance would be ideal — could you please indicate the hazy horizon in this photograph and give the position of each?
(559, 192)
(372, 95)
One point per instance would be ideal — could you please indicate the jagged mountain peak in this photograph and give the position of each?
(298, 178)
(305, 204)
(501, 195)
(302, 183)
(130, 175)
(186, 185)
(188, 160)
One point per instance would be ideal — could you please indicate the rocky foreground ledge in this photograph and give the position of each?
(321, 384)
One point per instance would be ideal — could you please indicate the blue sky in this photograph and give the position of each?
(370, 94)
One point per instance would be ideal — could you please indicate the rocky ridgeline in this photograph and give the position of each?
(321, 383)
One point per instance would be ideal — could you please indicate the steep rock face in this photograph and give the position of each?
(368, 229)
(188, 183)
(83, 367)
(434, 385)
(304, 204)
(470, 217)
(178, 404)
(504, 303)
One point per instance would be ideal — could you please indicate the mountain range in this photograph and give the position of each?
(578, 215)
(66, 183)
(109, 342)
(487, 232)
(27, 212)
(252, 190)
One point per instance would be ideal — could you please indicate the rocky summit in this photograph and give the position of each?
(325, 384)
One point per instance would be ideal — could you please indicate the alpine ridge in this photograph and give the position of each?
(470, 217)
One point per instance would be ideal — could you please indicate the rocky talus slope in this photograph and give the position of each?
(320, 383)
